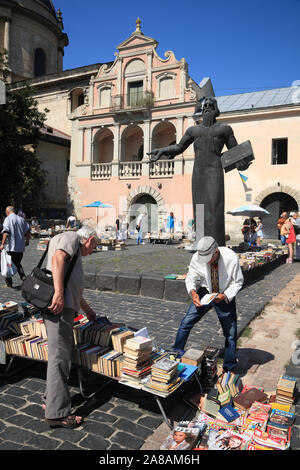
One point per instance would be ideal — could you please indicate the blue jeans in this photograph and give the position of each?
(283, 239)
(139, 237)
(227, 317)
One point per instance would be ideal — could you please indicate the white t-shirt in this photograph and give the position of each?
(69, 242)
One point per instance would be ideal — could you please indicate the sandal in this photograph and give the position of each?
(69, 422)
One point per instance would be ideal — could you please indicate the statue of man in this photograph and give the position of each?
(209, 138)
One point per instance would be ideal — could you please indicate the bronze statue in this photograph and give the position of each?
(209, 138)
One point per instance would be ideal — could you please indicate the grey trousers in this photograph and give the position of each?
(60, 348)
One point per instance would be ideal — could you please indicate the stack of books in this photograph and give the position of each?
(280, 424)
(228, 385)
(119, 338)
(137, 363)
(286, 388)
(98, 333)
(164, 377)
(209, 367)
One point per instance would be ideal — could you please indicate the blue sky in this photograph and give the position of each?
(241, 45)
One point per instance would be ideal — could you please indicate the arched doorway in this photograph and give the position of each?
(276, 203)
(145, 203)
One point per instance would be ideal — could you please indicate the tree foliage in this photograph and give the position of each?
(22, 177)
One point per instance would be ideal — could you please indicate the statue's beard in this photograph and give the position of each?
(208, 118)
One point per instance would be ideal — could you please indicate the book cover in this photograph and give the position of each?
(138, 342)
(208, 298)
(228, 440)
(245, 400)
(192, 356)
(165, 364)
(228, 413)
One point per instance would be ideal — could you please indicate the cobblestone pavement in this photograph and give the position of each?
(116, 417)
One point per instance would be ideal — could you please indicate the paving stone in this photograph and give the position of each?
(5, 412)
(150, 422)
(94, 443)
(34, 410)
(44, 443)
(127, 440)
(6, 445)
(99, 429)
(125, 412)
(19, 419)
(133, 428)
(68, 446)
(103, 417)
(18, 435)
(11, 400)
(72, 435)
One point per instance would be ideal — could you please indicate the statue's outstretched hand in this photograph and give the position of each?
(156, 154)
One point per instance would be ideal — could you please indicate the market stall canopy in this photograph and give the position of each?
(249, 210)
(98, 204)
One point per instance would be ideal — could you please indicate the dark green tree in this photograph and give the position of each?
(22, 178)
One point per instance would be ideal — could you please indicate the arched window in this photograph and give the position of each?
(39, 62)
(77, 98)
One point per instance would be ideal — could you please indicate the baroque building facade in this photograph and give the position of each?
(105, 118)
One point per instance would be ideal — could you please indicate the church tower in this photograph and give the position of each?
(31, 32)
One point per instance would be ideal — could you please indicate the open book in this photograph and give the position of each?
(208, 298)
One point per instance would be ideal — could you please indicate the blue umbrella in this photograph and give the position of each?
(97, 204)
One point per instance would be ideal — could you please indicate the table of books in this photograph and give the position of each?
(110, 349)
(229, 414)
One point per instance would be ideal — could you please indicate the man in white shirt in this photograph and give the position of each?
(139, 239)
(218, 270)
(15, 236)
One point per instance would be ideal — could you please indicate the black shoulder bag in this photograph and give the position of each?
(38, 287)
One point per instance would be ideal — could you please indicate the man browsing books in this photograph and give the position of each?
(59, 321)
(217, 269)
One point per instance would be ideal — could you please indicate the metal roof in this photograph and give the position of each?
(259, 99)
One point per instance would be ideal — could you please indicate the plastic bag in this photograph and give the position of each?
(8, 269)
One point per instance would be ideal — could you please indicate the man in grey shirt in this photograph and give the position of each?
(15, 236)
(59, 323)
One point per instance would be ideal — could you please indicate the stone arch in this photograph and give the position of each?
(277, 189)
(163, 134)
(146, 190)
(103, 146)
(132, 140)
(135, 66)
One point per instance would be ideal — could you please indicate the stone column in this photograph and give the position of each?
(116, 157)
(89, 157)
(147, 148)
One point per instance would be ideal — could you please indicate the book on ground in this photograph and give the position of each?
(245, 400)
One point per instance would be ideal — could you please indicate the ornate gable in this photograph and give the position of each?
(137, 40)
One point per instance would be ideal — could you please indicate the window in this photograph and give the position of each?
(39, 63)
(166, 88)
(105, 97)
(77, 98)
(279, 151)
(135, 93)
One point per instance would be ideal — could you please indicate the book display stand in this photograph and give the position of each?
(102, 348)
